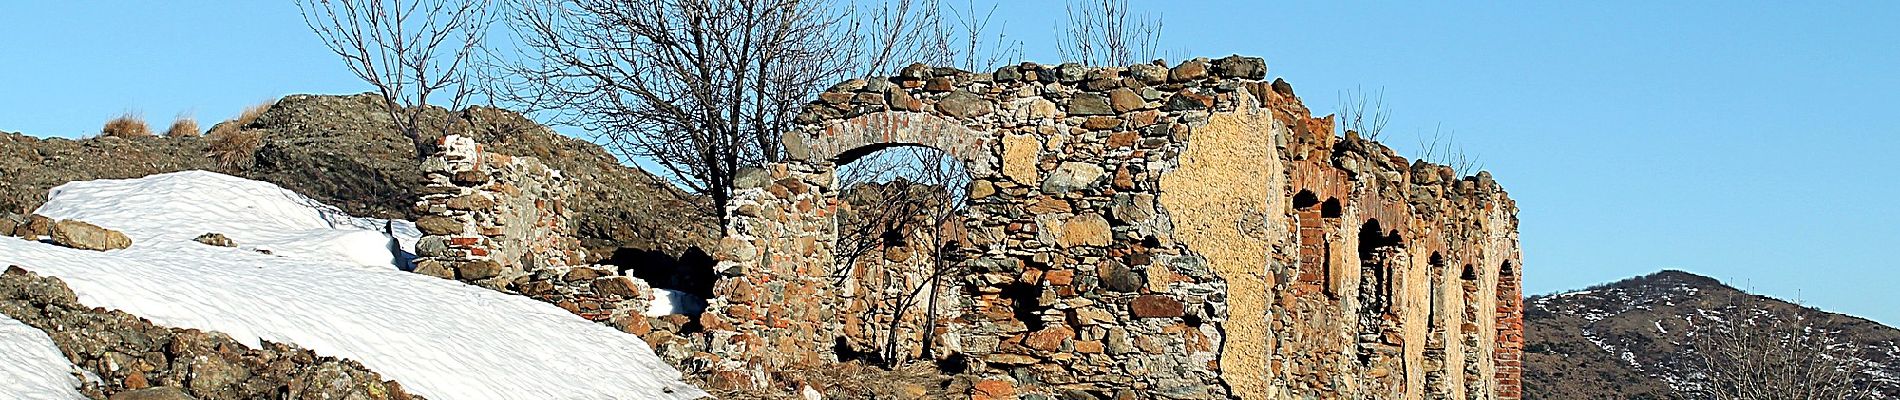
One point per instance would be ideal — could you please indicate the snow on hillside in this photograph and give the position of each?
(328, 286)
(31, 367)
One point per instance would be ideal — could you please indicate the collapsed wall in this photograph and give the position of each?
(1145, 231)
(501, 222)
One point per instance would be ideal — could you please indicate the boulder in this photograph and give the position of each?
(36, 227)
(85, 236)
(10, 221)
(215, 239)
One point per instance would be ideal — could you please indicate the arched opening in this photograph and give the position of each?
(1435, 335)
(1304, 200)
(1436, 265)
(1379, 255)
(1313, 268)
(1508, 344)
(900, 232)
(1331, 209)
(1468, 339)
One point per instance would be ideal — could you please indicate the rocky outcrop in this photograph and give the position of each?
(29, 227)
(129, 353)
(342, 150)
(215, 239)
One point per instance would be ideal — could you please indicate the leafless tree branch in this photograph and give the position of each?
(1107, 32)
(1362, 113)
(1749, 353)
(409, 50)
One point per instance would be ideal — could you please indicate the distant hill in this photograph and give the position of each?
(1631, 339)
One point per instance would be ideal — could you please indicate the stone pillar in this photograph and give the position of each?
(773, 301)
(500, 222)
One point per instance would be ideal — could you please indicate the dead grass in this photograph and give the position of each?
(129, 125)
(183, 127)
(233, 146)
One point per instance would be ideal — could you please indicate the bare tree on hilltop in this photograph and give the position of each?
(412, 51)
(1751, 353)
(698, 88)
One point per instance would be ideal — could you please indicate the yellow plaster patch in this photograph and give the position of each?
(1230, 176)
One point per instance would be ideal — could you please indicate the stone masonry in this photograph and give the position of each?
(500, 222)
(1143, 231)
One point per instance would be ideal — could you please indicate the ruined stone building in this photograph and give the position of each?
(1191, 232)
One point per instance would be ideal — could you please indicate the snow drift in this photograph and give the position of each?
(328, 285)
(31, 367)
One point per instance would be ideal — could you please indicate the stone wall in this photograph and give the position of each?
(500, 222)
(1143, 231)
(490, 218)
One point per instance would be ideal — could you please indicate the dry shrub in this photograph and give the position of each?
(128, 125)
(243, 119)
(233, 146)
(183, 127)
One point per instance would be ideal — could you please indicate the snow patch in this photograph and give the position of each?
(165, 210)
(329, 287)
(31, 366)
(668, 302)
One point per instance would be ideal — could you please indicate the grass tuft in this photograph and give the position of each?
(128, 125)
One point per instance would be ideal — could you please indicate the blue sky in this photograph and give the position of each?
(1749, 141)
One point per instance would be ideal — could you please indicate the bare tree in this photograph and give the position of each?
(1750, 353)
(965, 40)
(1107, 32)
(1363, 113)
(699, 88)
(910, 201)
(409, 50)
(1443, 149)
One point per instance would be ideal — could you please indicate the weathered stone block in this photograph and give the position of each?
(1156, 306)
(1087, 104)
(1071, 176)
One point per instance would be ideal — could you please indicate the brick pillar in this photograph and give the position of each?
(1312, 251)
(1509, 353)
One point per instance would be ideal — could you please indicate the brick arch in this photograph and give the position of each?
(843, 141)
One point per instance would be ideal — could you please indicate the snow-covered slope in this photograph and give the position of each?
(31, 368)
(328, 286)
